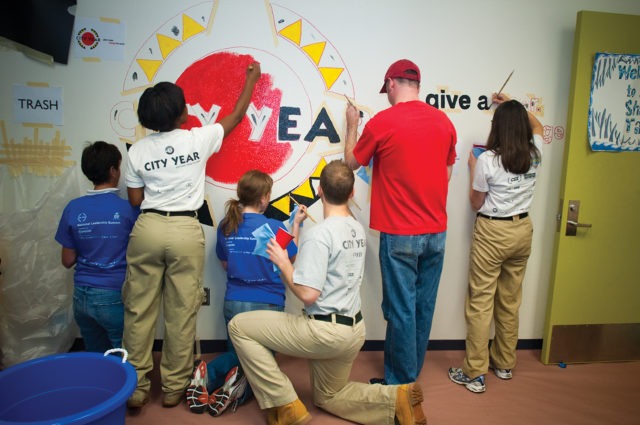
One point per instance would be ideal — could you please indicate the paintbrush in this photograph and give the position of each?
(353, 104)
(306, 212)
(501, 88)
(349, 100)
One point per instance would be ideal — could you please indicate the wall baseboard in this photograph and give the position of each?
(220, 345)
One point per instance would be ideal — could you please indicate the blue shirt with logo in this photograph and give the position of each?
(97, 227)
(251, 277)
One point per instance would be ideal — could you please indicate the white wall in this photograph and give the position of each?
(464, 47)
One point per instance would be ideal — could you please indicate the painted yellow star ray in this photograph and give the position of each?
(282, 204)
(293, 32)
(149, 66)
(330, 75)
(190, 27)
(315, 51)
(304, 189)
(167, 44)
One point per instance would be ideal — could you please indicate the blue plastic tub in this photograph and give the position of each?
(72, 388)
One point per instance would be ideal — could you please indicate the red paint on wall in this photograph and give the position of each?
(218, 79)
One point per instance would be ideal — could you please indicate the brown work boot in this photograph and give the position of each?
(293, 413)
(409, 405)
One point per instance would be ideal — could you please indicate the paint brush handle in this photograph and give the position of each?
(505, 83)
(349, 100)
(306, 212)
(501, 88)
(353, 104)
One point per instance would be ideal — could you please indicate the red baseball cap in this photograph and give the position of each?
(403, 68)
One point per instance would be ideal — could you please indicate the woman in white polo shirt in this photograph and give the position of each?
(503, 180)
(166, 175)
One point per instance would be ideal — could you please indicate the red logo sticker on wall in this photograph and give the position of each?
(88, 38)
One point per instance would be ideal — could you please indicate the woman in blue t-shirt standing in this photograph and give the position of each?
(253, 283)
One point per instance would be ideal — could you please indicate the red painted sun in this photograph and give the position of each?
(218, 80)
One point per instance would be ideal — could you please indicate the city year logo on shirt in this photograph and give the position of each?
(176, 161)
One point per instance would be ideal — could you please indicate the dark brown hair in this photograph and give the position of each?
(511, 138)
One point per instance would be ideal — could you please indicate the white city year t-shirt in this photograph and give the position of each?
(508, 194)
(171, 167)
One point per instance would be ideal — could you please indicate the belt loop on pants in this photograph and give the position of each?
(337, 318)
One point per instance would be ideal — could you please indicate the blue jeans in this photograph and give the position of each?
(218, 367)
(411, 266)
(99, 314)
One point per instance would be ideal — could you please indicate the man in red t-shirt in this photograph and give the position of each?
(412, 145)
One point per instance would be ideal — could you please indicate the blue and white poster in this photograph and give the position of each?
(614, 107)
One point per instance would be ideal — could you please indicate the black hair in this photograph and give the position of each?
(160, 106)
(97, 160)
(336, 180)
(511, 137)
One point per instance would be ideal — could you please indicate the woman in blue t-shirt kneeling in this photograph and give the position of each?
(253, 283)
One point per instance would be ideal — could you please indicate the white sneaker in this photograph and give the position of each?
(475, 385)
(501, 373)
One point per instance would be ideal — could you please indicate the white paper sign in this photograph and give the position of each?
(34, 104)
(96, 38)
(614, 107)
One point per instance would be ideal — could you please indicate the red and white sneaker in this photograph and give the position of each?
(197, 395)
(230, 393)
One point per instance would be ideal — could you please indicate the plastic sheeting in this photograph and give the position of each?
(36, 291)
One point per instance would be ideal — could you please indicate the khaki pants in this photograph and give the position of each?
(331, 349)
(499, 253)
(165, 260)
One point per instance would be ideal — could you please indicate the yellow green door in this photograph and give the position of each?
(593, 311)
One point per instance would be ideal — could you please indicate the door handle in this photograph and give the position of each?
(573, 223)
(572, 219)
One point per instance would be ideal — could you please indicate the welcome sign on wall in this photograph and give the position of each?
(614, 107)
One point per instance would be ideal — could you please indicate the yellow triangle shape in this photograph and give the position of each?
(330, 75)
(305, 190)
(150, 67)
(190, 27)
(319, 168)
(315, 51)
(293, 32)
(282, 204)
(167, 44)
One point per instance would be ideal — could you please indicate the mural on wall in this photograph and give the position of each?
(614, 106)
(293, 118)
(292, 126)
(290, 123)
